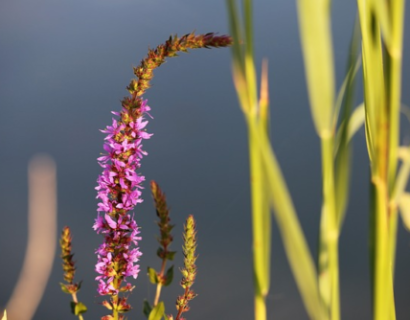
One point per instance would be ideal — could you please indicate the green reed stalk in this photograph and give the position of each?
(382, 34)
(246, 78)
(314, 23)
(394, 63)
(329, 232)
(267, 182)
(295, 244)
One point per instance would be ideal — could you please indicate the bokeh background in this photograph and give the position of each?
(64, 66)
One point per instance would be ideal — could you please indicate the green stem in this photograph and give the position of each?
(392, 255)
(74, 296)
(159, 285)
(329, 230)
(394, 63)
(260, 307)
(295, 244)
(259, 221)
(115, 301)
(397, 9)
(381, 272)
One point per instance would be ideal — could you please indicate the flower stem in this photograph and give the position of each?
(159, 285)
(181, 310)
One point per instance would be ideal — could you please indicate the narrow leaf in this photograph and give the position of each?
(404, 205)
(356, 121)
(152, 275)
(296, 248)
(382, 12)
(402, 176)
(79, 308)
(170, 255)
(4, 315)
(157, 312)
(146, 308)
(349, 119)
(315, 32)
(64, 288)
(169, 276)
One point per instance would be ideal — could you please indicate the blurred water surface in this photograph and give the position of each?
(64, 66)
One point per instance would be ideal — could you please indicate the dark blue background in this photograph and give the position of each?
(64, 66)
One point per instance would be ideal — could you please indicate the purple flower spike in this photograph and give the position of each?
(118, 192)
(118, 188)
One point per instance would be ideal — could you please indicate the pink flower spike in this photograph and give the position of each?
(119, 190)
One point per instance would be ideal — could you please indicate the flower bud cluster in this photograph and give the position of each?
(68, 263)
(164, 225)
(189, 271)
(170, 48)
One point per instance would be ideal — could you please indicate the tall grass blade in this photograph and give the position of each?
(249, 59)
(382, 77)
(402, 177)
(294, 241)
(356, 121)
(238, 67)
(264, 122)
(245, 82)
(315, 30)
(404, 204)
(343, 154)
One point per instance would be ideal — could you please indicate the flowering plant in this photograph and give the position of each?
(119, 191)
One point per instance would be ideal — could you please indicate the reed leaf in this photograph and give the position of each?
(342, 143)
(315, 30)
(404, 204)
(296, 248)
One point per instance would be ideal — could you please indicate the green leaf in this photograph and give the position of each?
(260, 218)
(157, 312)
(238, 59)
(146, 308)
(373, 79)
(382, 12)
(315, 31)
(79, 308)
(404, 205)
(349, 124)
(356, 121)
(296, 247)
(160, 251)
(64, 288)
(152, 275)
(170, 255)
(72, 306)
(169, 276)
(4, 315)
(402, 176)
(344, 94)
